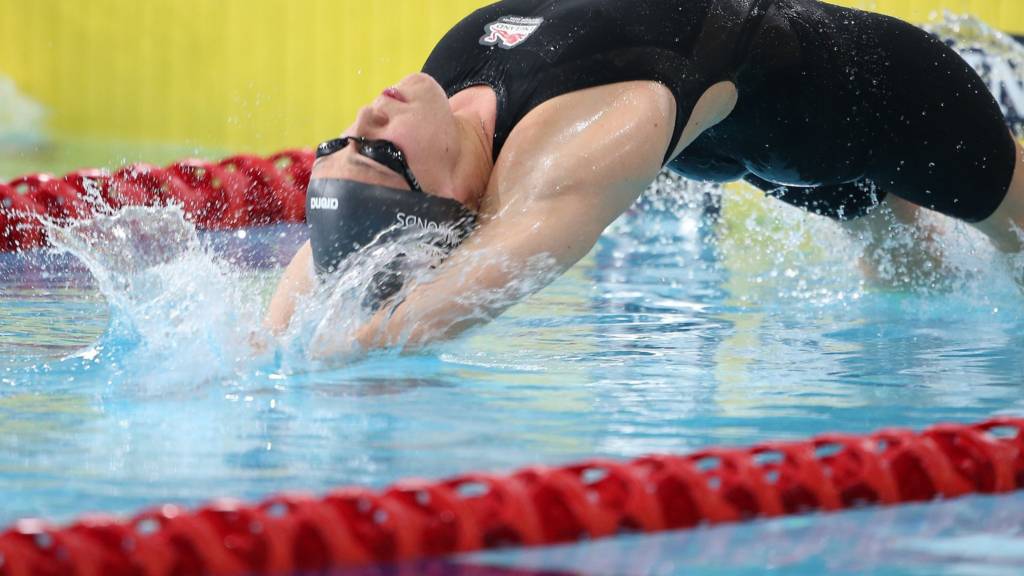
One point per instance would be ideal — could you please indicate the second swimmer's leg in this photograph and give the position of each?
(900, 249)
(1004, 226)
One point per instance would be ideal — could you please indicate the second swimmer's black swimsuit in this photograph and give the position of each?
(837, 107)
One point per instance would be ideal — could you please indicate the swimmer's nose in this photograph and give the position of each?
(371, 118)
(416, 77)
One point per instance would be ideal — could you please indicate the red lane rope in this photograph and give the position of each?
(237, 192)
(539, 505)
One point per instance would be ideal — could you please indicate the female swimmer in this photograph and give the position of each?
(535, 123)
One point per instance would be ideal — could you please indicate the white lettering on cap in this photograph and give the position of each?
(448, 232)
(319, 203)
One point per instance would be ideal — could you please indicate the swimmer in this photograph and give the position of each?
(545, 120)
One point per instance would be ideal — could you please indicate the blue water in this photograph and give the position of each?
(679, 330)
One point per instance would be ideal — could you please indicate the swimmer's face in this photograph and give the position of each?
(415, 116)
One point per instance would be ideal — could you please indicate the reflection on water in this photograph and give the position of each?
(27, 328)
(972, 536)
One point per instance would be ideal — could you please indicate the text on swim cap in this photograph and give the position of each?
(319, 203)
(448, 232)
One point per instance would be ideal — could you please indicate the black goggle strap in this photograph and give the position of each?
(380, 151)
(330, 147)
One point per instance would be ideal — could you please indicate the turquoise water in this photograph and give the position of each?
(679, 330)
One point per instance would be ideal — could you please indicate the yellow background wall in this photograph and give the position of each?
(251, 75)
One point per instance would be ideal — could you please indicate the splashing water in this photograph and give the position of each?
(170, 297)
(346, 300)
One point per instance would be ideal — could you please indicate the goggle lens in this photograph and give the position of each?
(381, 151)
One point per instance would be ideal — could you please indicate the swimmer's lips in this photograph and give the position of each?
(394, 94)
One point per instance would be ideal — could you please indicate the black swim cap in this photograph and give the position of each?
(345, 215)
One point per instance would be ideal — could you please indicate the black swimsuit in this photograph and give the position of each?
(836, 106)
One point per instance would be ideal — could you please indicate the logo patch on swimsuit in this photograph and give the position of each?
(510, 31)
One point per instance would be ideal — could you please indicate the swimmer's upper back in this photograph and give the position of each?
(530, 51)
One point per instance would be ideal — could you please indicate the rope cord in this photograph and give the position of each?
(535, 506)
(237, 192)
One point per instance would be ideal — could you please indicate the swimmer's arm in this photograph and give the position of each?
(504, 262)
(297, 281)
(564, 179)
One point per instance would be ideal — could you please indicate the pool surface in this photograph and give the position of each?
(681, 329)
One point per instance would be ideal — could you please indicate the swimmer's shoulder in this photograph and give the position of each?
(549, 149)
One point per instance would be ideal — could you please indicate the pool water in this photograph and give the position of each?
(681, 329)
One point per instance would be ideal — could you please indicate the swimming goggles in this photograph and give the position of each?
(381, 151)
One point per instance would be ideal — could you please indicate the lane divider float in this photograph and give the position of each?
(539, 505)
(237, 192)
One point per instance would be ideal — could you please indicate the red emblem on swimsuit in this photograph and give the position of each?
(510, 31)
